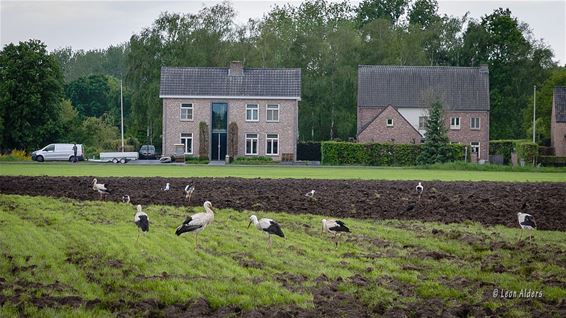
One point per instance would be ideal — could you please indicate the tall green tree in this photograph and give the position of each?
(31, 87)
(390, 10)
(436, 147)
(516, 64)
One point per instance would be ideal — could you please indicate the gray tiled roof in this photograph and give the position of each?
(215, 81)
(459, 88)
(560, 103)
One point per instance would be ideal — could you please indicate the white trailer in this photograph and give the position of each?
(121, 157)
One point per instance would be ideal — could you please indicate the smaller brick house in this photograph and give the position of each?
(262, 102)
(393, 104)
(558, 121)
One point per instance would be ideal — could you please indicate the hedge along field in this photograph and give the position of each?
(374, 154)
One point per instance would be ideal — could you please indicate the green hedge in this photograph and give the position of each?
(525, 150)
(348, 153)
(552, 161)
(255, 160)
(195, 160)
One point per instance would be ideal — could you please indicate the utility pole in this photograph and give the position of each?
(534, 111)
(122, 115)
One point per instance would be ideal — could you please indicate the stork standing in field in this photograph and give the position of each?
(100, 188)
(189, 189)
(334, 227)
(267, 226)
(527, 222)
(310, 194)
(126, 199)
(419, 188)
(197, 222)
(166, 187)
(141, 220)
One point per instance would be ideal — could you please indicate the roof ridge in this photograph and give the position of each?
(417, 66)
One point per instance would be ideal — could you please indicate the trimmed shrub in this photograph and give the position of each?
(256, 160)
(309, 151)
(15, 155)
(527, 151)
(347, 153)
(503, 148)
(344, 153)
(195, 160)
(232, 140)
(552, 161)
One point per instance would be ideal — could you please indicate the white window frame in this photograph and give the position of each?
(256, 138)
(185, 143)
(268, 110)
(453, 125)
(251, 108)
(424, 124)
(472, 122)
(387, 122)
(190, 109)
(269, 150)
(478, 147)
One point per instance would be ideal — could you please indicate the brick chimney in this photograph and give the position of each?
(484, 68)
(236, 69)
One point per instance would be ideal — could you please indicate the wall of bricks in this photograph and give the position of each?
(401, 132)
(286, 128)
(366, 114)
(557, 134)
(465, 135)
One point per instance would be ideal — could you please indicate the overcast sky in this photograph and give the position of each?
(98, 24)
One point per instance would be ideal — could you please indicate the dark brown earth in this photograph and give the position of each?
(486, 202)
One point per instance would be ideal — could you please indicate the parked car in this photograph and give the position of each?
(147, 152)
(58, 152)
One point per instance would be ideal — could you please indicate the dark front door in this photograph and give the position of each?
(219, 131)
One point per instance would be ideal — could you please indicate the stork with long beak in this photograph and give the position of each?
(197, 222)
(268, 226)
(334, 227)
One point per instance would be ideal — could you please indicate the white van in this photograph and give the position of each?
(58, 152)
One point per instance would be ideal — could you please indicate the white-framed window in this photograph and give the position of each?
(389, 122)
(186, 112)
(422, 122)
(272, 144)
(455, 123)
(272, 113)
(475, 123)
(252, 112)
(475, 145)
(187, 140)
(251, 144)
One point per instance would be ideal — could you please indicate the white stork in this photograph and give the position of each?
(267, 226)
(100, 188)
(419, 188)
(310, 194)
(166, 187)
(197, 222)
(141, 220)
(526, 221)
(189, 189)
(334, 227)
(126, 199)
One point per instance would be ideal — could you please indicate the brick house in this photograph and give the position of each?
(558, 122)
(393, 103)
(264, 103)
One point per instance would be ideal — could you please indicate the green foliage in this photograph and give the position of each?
(552, 161)
(15, 155)
(545, 93)
(232, 140)
(436, 148)
(30, 96)
(516, 63)
(347, 153)
(80, 63)
(97, 134)
(390, 10)
(131, 144)
(255, 160)
(195, 160)
(527, 151)
(344, 153)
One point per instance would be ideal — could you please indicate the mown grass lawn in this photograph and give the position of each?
(369, 173)
(89, 250)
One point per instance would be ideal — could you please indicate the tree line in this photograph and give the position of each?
(326, 40)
